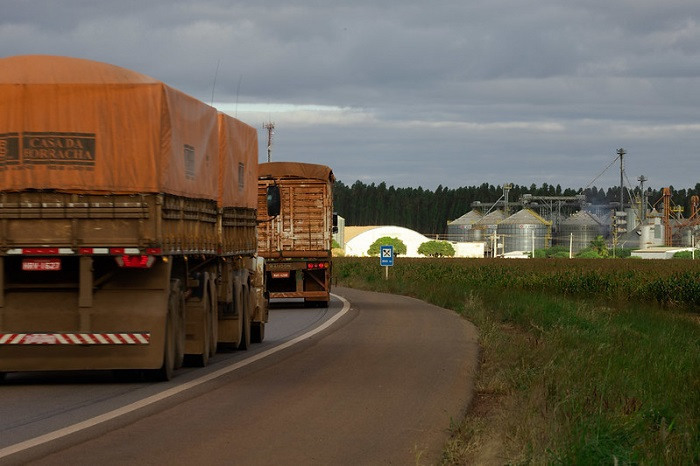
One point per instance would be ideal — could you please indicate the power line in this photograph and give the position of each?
(601, 174)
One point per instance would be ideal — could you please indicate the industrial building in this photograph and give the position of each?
(568, 221)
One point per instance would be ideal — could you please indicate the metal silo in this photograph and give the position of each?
(579, 229)
(457, 230)
(525, 231)
(483, 229)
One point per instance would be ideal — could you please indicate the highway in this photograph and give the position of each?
(372, 379)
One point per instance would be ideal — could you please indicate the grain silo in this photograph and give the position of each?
(525, 231)
(457, 229)
(483, 229)
(651, 232)
(579, 230)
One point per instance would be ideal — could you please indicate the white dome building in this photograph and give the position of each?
(359, 239)
(359, 244)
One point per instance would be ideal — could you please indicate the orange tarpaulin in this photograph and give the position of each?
(295, 170)
(82, 126)
(238, 178)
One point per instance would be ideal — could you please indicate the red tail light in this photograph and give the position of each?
(135, 262)
(317, 265)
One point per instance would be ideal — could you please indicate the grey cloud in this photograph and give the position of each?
(461, 92)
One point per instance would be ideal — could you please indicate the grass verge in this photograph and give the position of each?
(563, 379)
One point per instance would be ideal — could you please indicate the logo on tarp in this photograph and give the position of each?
(59, 149)
(9, 149)
(189, 162)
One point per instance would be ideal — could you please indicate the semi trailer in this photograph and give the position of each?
(127, 222)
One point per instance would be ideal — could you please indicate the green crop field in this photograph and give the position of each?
(583, 361)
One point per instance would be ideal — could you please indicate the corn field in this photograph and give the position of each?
(664, 282)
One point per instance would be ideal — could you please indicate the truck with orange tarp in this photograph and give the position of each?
(127, 222)
(296, 244)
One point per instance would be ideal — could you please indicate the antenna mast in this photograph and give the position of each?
(270, 127)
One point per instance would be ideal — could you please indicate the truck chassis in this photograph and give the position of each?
(125, 282)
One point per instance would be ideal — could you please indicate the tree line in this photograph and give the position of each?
(428, 212)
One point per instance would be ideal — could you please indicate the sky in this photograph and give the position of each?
(416, 93)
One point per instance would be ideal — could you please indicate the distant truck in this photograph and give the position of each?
(127, 222)
(297, 243)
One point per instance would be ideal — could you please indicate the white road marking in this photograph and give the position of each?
(88, 423)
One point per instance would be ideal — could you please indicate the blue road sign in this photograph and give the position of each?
(386, 256)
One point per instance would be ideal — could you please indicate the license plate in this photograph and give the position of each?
(280, 274)
(41, 265)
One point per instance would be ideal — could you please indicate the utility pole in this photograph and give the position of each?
(643, 212)
(506, 189)
(270, 127)
(621, 153)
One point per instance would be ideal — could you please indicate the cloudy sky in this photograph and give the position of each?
(416, 93)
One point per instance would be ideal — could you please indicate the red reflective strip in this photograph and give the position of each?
(85, 251)
(92, 339)
(41, 251)
(116, 251)
(154, 251)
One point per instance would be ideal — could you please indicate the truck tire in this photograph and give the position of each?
(176, 306)
(245, 318)
(257, 332)
(202, 359)
(214, 309)
(167, 370)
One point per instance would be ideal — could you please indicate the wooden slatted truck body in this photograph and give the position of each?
(127, 222)
(297, 243)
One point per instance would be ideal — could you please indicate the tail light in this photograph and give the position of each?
(317, 265)
(135, 262)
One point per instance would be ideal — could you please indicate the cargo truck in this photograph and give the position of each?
(127, 222)
(297, 243)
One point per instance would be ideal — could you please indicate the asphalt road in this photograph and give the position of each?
(379, 386)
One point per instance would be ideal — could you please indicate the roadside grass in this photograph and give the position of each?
(564, 379)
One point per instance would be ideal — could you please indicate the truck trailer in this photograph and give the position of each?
(127, 222)
(297, 243)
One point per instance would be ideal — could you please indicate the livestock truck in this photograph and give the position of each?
(296, 244)
(127, 222)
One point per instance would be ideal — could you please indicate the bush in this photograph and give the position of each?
(683, 255)
(436, 249)
(624, 253)
(589, 254)
(399, 246)
(554, 251)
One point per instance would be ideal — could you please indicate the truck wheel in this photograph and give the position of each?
(257, 332)
(167, 370)
(214, 309)
(2, 376)
(245, 316)
(201, 360)
(176, 306)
